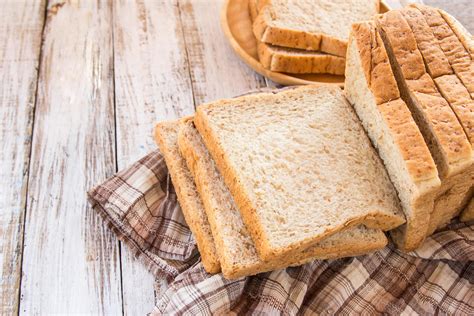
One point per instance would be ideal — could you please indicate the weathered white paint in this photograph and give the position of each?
(21, 24)
(216, 70)
(71, 260)
(151, 84)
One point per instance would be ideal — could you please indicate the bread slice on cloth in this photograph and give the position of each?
(236, 250)
(299, 166)
(312, 25)
(298, 61)
(371, 88)
(166, 135)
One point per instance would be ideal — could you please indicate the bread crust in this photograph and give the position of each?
(459, 58)
(304, 62)
(248, 210)
(187, 195)
(421, 94)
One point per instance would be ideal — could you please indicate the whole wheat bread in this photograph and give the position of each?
(236, 250)
(371, 88)
(299, 166)
(322, 25)
(166, 135)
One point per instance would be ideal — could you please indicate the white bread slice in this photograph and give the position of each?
(439, 125)
(166, 136)
(371, 88)
(299, 166)
(458, 56)
(453, 194)
(234, 245)
(299, 61)
(468, 213)
(312, 25)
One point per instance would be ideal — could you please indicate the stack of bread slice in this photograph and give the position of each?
(272, 180)
(278, 179)
(417, 60)
(306, 36)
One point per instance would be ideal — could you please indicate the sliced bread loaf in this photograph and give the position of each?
(453, 48)
(453, 194)
(234, 245)
(299, 166)
(371, 88)
(312, 25)
(299, 61)
(439, 125)
(166, 135)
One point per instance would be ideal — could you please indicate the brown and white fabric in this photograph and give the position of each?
(140, 205)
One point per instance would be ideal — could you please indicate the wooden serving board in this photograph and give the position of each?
(237, 26)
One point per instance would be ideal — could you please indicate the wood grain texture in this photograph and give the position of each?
(71, 259)
(216, 71)
(21, 25)
(151, 84)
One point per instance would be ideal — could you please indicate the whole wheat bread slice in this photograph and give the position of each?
(371, 88)
(236, 250)
(299, 166)
(166, 136)
(453, 194)
(293, 60)
(312, 25)
(299, 61)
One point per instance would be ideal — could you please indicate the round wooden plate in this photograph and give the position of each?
(237, 26)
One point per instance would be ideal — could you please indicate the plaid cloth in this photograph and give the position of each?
(140, 205)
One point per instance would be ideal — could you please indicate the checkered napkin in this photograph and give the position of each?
(140, 205)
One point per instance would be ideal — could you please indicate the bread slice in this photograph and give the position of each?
(454, 191)
(234, 245)
(458, 56)
(371, 88)
(299, 61)
(439, 125)
(166, 135)
(468, 213)
(312, 25)
(255, 6)
(299, 166)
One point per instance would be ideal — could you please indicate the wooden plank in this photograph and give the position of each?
(21, 25)
(71, 260)
(216, 71)
(152, 83)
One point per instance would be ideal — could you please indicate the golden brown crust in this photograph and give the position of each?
(456, 53)
(299, 62)
(458, 97)
(187, 195)
(436, 62)
(422, 92)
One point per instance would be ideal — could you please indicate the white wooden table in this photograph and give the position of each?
(83, 83)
